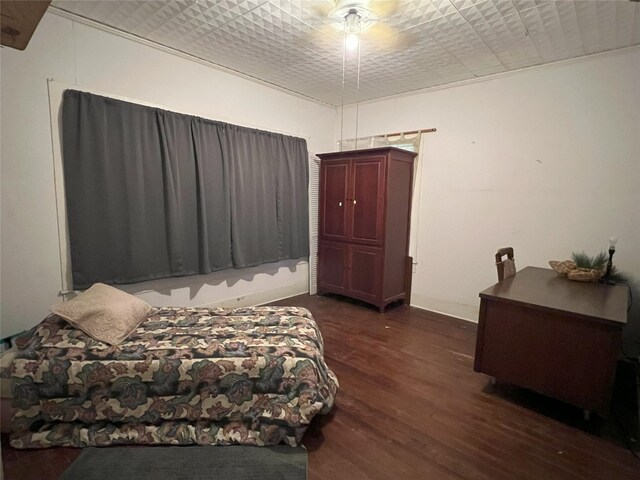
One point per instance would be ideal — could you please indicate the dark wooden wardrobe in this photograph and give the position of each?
(363, 236)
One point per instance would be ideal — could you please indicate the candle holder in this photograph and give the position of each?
(612, 250)
(610, 262)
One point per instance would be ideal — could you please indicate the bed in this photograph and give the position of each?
(251, 376)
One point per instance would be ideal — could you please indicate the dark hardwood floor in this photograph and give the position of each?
(411, 407)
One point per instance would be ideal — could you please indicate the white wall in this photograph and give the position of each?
(546, 160)
(77, 54)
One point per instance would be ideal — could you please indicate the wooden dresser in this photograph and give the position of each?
(363, 235)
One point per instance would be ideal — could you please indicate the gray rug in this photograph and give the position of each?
(189, 463)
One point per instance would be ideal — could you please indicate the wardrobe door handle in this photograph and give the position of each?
(339, 204)
(354, 201)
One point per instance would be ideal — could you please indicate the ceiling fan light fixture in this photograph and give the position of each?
(351, 14)
(351, 29)
(352, 22)
(351, 41)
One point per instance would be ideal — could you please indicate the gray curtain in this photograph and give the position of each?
(153, 194)
(268, 190)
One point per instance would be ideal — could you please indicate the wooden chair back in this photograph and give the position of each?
(506, 266)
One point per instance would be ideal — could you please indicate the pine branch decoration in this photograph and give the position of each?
(599, 262)
(582, 260)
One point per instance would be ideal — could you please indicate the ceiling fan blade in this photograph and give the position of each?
(388, 38)
(328, 36)
(321, 7)
(384, 8)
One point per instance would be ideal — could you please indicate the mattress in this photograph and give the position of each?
(251, 376)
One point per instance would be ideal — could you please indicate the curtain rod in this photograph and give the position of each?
(412, 132)
(424, 130)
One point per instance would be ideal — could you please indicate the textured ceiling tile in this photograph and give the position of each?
(127, 16)
(445, 7)
(635, 35)
(192, 35)
(488, 11)
(455, 76)
(416, 43)
(311, 12)
(91, 10)
(625, 23)
(461, 4)
(238, 7)
(414, 12)
(149, 18)
(489, 70)
(509, 39)
(589, 29)
(523, 5)
(212, 14)
(120, 15)
(545, 30)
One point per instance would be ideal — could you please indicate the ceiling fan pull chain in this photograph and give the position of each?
(344, 62)
(358, 60)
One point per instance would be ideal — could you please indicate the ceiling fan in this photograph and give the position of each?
(365, 20)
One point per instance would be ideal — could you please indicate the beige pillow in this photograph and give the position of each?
(104, 313)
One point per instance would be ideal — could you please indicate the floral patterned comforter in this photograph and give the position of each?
(253, 376)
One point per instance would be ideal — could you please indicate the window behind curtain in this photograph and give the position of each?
(153, 194)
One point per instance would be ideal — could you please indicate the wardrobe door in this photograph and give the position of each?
(332, 267)
(367, 200)
(365, 273)
(334, 176)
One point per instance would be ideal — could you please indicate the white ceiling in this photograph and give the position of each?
(416, 44)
